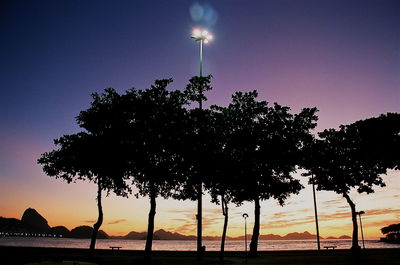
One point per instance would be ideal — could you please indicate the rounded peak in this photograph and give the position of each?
(33, 219)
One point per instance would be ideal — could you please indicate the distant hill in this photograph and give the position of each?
(271, 237)
(32, 219)
(134, 235)
(33, 222)
(85, 231)
(340, 237)
(297, 236)
(12, 225)
(60, 230)
(160, 234)
(166, 235)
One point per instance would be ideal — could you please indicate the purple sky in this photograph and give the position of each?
(342, 56)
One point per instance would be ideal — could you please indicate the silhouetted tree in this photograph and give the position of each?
(221, 181)
(97, 155)
(83, 156)
(393, 228)
(155, 132)
(373, 143)
(197, 145)
(392, 233)
(266, 144)
(340, 166)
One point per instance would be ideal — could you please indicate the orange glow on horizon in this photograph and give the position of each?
(122, 215)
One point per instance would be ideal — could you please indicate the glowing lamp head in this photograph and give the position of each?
(196, 33)
(201, 35)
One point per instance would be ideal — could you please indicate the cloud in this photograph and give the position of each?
(179, 220)
(368, 213)
(333, 203)
(328, 217)
(294, 202)
(382, 211)
(281, 215)
(337, 215)
(381, 223)
(89, 221)
(193, 211)
(286, 223)
(180, 210)
(187, 224)
(214, 211)
(304, 210)
(186, 229)
(117, 221)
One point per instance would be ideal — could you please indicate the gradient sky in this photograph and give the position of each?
(341, 56)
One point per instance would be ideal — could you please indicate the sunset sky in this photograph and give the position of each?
(341, 56)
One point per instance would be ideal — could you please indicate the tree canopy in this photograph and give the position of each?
(340, 166)
(265, 143)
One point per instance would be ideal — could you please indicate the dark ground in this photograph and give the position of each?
(24, 255)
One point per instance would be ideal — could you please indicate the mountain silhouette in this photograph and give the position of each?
(60, 230)
(297, 236)
(32, 219)
(12, 225)
(85, 231)
(166, 235)
(33, 222)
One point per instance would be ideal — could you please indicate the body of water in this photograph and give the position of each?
(184, 245)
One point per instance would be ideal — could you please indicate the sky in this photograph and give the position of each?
(342, 57)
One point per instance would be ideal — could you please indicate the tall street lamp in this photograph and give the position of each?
(362, 233)
(245, 215)
(201, 36)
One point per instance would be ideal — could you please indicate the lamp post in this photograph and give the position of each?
(315, 211)
(245, 215)
(362, 233)
(201, 36)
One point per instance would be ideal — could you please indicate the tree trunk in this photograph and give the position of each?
(256, 228)
(150, 227)
(99, 222)
(354, 246)
(224, 205)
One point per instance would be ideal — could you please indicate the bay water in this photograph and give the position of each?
(186, 245)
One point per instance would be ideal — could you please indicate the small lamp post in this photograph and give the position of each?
(245, 215)
(362, 233)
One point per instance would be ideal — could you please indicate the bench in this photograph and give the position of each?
(113, 248)
(330, 247)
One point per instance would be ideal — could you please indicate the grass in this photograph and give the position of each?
(51, 256)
